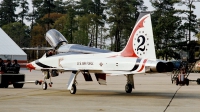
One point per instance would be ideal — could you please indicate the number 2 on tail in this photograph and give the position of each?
(141, 37)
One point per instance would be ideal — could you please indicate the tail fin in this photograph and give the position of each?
(141, 43)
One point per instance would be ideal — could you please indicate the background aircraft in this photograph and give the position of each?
(138, 56)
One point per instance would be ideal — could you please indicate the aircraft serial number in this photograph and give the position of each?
(84, 63)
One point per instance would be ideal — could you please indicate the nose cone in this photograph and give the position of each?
(30, 66)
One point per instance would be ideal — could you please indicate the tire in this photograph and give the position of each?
(128, 88)
(44, 85)
(73, 89)
(18, 85)
(198, 81)
(36, 82)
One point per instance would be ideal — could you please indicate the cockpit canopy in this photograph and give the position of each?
(55, 38)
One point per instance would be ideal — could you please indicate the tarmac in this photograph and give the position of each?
(152, 93)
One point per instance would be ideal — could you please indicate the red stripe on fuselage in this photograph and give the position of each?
(143, 65)
(112, 56)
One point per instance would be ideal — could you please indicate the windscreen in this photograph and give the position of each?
(55, 38)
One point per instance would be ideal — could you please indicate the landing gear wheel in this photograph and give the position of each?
(36, 82)
(128, 88)
(198, 81)
(73, 89)
(18, 85)
(44, 85)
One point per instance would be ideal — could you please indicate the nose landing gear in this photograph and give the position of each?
(44, 82)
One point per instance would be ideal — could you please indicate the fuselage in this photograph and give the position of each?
(54, 60)
(98, 62)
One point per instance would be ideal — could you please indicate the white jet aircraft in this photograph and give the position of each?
(137, 57)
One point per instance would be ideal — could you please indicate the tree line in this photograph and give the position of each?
(99, 21)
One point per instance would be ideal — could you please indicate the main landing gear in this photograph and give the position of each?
(71, 86)
(130, 83)
(73, 89)
(128, 88)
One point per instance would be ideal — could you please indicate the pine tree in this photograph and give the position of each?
(168, 33)
(24, 12)
(122, 17)
(7, 11)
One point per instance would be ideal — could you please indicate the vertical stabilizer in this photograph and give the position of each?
(141, 42)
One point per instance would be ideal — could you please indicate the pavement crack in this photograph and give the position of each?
(172, 99)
